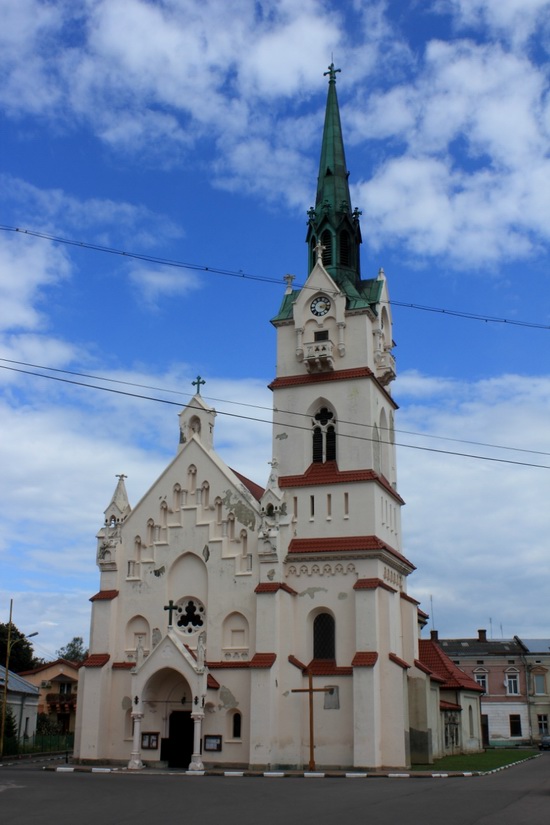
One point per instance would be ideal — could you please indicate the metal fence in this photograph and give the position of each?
(39, 743)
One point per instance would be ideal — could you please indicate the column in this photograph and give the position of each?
(135, 763)
(196, 761)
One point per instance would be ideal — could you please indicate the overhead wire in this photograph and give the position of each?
(472, 316)
(249, 405)
(268, 421)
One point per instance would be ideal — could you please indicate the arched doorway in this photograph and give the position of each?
(167, 704)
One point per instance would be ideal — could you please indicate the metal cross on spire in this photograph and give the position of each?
(198, 383)
(332, 73)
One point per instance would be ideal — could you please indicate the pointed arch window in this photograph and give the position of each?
(324, 637)
(326, 241)
(345, 248)
(324, 436)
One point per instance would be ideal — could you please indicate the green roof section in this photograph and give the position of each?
(332, 222)
(332, 182)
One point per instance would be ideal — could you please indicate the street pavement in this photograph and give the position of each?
(516, 796)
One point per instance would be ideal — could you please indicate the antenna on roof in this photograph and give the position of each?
(432, 611)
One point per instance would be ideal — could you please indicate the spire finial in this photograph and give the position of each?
(331, 73)
(198, 383)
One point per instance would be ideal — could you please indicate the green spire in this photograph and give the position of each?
(332, 220)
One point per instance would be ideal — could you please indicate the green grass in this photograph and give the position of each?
(487, 761)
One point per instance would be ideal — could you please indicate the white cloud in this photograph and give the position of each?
(155, 283)
(516, 20)
(474, 527)
(25, 270)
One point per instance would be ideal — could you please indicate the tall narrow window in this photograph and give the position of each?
(324, 436)
(324, 637)
(326, 240)
(317, 444)
(344, 248)
(237, 725)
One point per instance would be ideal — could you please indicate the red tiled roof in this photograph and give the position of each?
(320, 377)
(259, 660)
(323, 377)
(212, 683)
(273, 587)
(327, 667)
(123, 665)
(423, 668)
(339, 544)
(364, 658)
(372, 584)
(433, 657)
(263, 660)
(448, 706)
(104, 595)
(96, 660)
(398, 661)
(328, 473)
(46, 665)
(251, 486)
(408, 598)
(229, 665)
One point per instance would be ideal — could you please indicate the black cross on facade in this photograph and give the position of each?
(198, 383)
(172, 608)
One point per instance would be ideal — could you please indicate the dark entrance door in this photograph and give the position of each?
(178, 748)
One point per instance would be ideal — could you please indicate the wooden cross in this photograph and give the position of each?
(198, 383)
(172, 608)
(311, 690)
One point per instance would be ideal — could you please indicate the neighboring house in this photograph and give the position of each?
(22, 698)
(513, 673)
(57, 682)
(459, 703)
(221, 603)
(536, 662)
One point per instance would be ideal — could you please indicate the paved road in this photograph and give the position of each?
(517, 796)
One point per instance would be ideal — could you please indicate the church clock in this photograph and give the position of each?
(320, 305)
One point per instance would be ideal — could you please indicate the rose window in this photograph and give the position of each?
(191, 616)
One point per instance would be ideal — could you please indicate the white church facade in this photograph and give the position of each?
(222, 605)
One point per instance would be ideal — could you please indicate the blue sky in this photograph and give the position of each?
(191, 131)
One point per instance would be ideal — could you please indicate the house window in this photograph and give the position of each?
(324, 637)
(539, 683)
(322, 335)
(481, 679)
(515, 724)
(542, 720)
(512, 683)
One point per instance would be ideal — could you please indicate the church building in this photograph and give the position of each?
(273, 629)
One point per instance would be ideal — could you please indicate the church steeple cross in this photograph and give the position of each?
(198, 383)
(332, 73)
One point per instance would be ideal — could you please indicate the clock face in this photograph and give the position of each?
(320, 305)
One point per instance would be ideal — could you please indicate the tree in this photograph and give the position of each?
(74, 651)
(21, 653)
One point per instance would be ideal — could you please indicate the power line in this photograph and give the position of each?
(270, 409)
(267, 421)
(472, 316)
